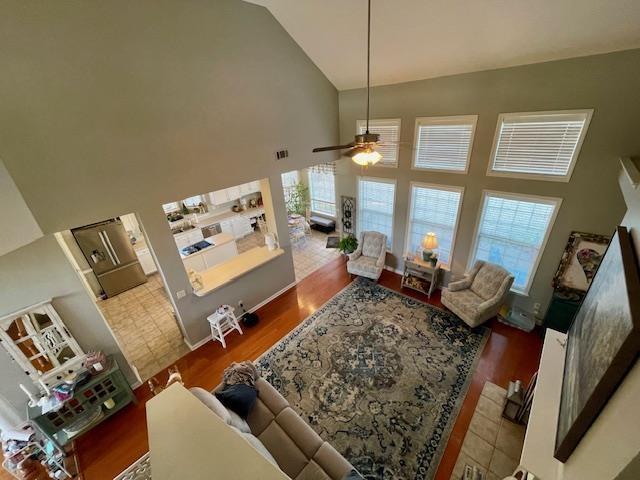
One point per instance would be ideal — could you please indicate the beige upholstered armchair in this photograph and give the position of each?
(479, 296)
(368, 259)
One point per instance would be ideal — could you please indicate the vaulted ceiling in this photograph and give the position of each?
(417, 39)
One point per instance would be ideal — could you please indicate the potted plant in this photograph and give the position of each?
(298, 199)
(348, 244)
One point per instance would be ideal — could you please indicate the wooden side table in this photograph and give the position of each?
(223, 323)
(421, 276)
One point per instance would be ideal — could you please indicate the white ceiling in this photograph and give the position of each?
(416, 39)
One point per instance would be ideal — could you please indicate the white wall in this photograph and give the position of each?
(117, 107)
(613, 441)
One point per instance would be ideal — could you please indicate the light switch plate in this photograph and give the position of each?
(181, 294)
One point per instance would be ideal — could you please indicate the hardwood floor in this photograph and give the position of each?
(113, 445)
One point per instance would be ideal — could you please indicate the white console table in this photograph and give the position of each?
(540, 439)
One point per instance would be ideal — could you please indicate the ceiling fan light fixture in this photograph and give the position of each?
(367, 157)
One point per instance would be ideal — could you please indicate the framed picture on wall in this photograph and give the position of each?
(602, 343)
(579, 263)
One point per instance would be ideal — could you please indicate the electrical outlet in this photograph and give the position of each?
(536, 308)
(181, 294)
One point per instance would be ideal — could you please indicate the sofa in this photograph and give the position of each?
(479, 296)
(368, 259)
(278, 432)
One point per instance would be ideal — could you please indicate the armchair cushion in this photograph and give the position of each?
(369, 258)
(373, 243)
(488, 279)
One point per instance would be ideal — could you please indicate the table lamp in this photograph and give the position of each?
(429, 242)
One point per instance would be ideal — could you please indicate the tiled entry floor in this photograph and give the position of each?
(142, 320)
(310, 255)
(492, 443)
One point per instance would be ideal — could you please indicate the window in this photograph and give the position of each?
(322, 189)
(389, 131)
(512, 231)
(376, 200)
(444, 143)
(170, 207)
(434, 208)
(543, 145)
(193, 201)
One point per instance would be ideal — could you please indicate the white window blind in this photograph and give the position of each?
(434, 208)
(389, 131)
(512, 232)
(538, 144)
(322, 191)
(444, 143)
(376, 199)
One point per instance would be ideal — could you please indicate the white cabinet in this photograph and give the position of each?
(226, 226)
(187, 238)
(194, 262)
(254, 186)
(233, 193)
(214, 256)
(241, 226)
(220, 197)
(146, 261)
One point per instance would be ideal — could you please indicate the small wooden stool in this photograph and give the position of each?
(223, 323)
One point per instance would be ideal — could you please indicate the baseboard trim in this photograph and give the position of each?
(197, 345)
(394, 270)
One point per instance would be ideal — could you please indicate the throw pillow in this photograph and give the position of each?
(240, 398)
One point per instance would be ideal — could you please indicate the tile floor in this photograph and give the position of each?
(492, 443)
(308, 255)
(312, 253)
(142, 320)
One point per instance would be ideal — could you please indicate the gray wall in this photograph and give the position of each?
(117, 107)
(37, 272)
(591, 200)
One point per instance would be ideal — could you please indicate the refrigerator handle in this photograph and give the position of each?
(113, 251)
(106, 247)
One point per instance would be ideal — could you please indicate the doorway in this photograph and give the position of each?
(137, 309)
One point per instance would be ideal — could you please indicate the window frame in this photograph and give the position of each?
(384, 121)
(539, 176)
(555, 201)
(434, 186)
(443, 120)
(335, 202)
(392, 181)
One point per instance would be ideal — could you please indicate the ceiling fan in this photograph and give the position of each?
(363, 150)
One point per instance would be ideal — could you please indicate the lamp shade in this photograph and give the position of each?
(430, 241)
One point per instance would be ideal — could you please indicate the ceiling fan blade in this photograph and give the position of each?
(335, 147)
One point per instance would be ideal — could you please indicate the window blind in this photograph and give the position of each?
(389, 131)
(289, 179)
(434, 209)
(539, 144)
(512, 232)
(322, 191)
(444, 143)
(376, 199)
(170, 207)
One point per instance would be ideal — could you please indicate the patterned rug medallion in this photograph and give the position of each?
(379, 375)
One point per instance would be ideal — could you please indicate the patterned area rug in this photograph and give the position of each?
(379, 375)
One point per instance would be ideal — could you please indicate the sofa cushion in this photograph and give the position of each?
(259, 446)
(299, 431)
(211, 402)
(312, 472)
(259, 417)
(488, 280)
(238, 422)
(332, 462)
(240, 398)
(290, 458)
(372, 244)
(271, 397)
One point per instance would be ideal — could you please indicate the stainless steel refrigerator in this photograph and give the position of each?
(107, 248)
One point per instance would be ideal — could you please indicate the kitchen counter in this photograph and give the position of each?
(216, 241)
(232, 269)
(204, 219)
